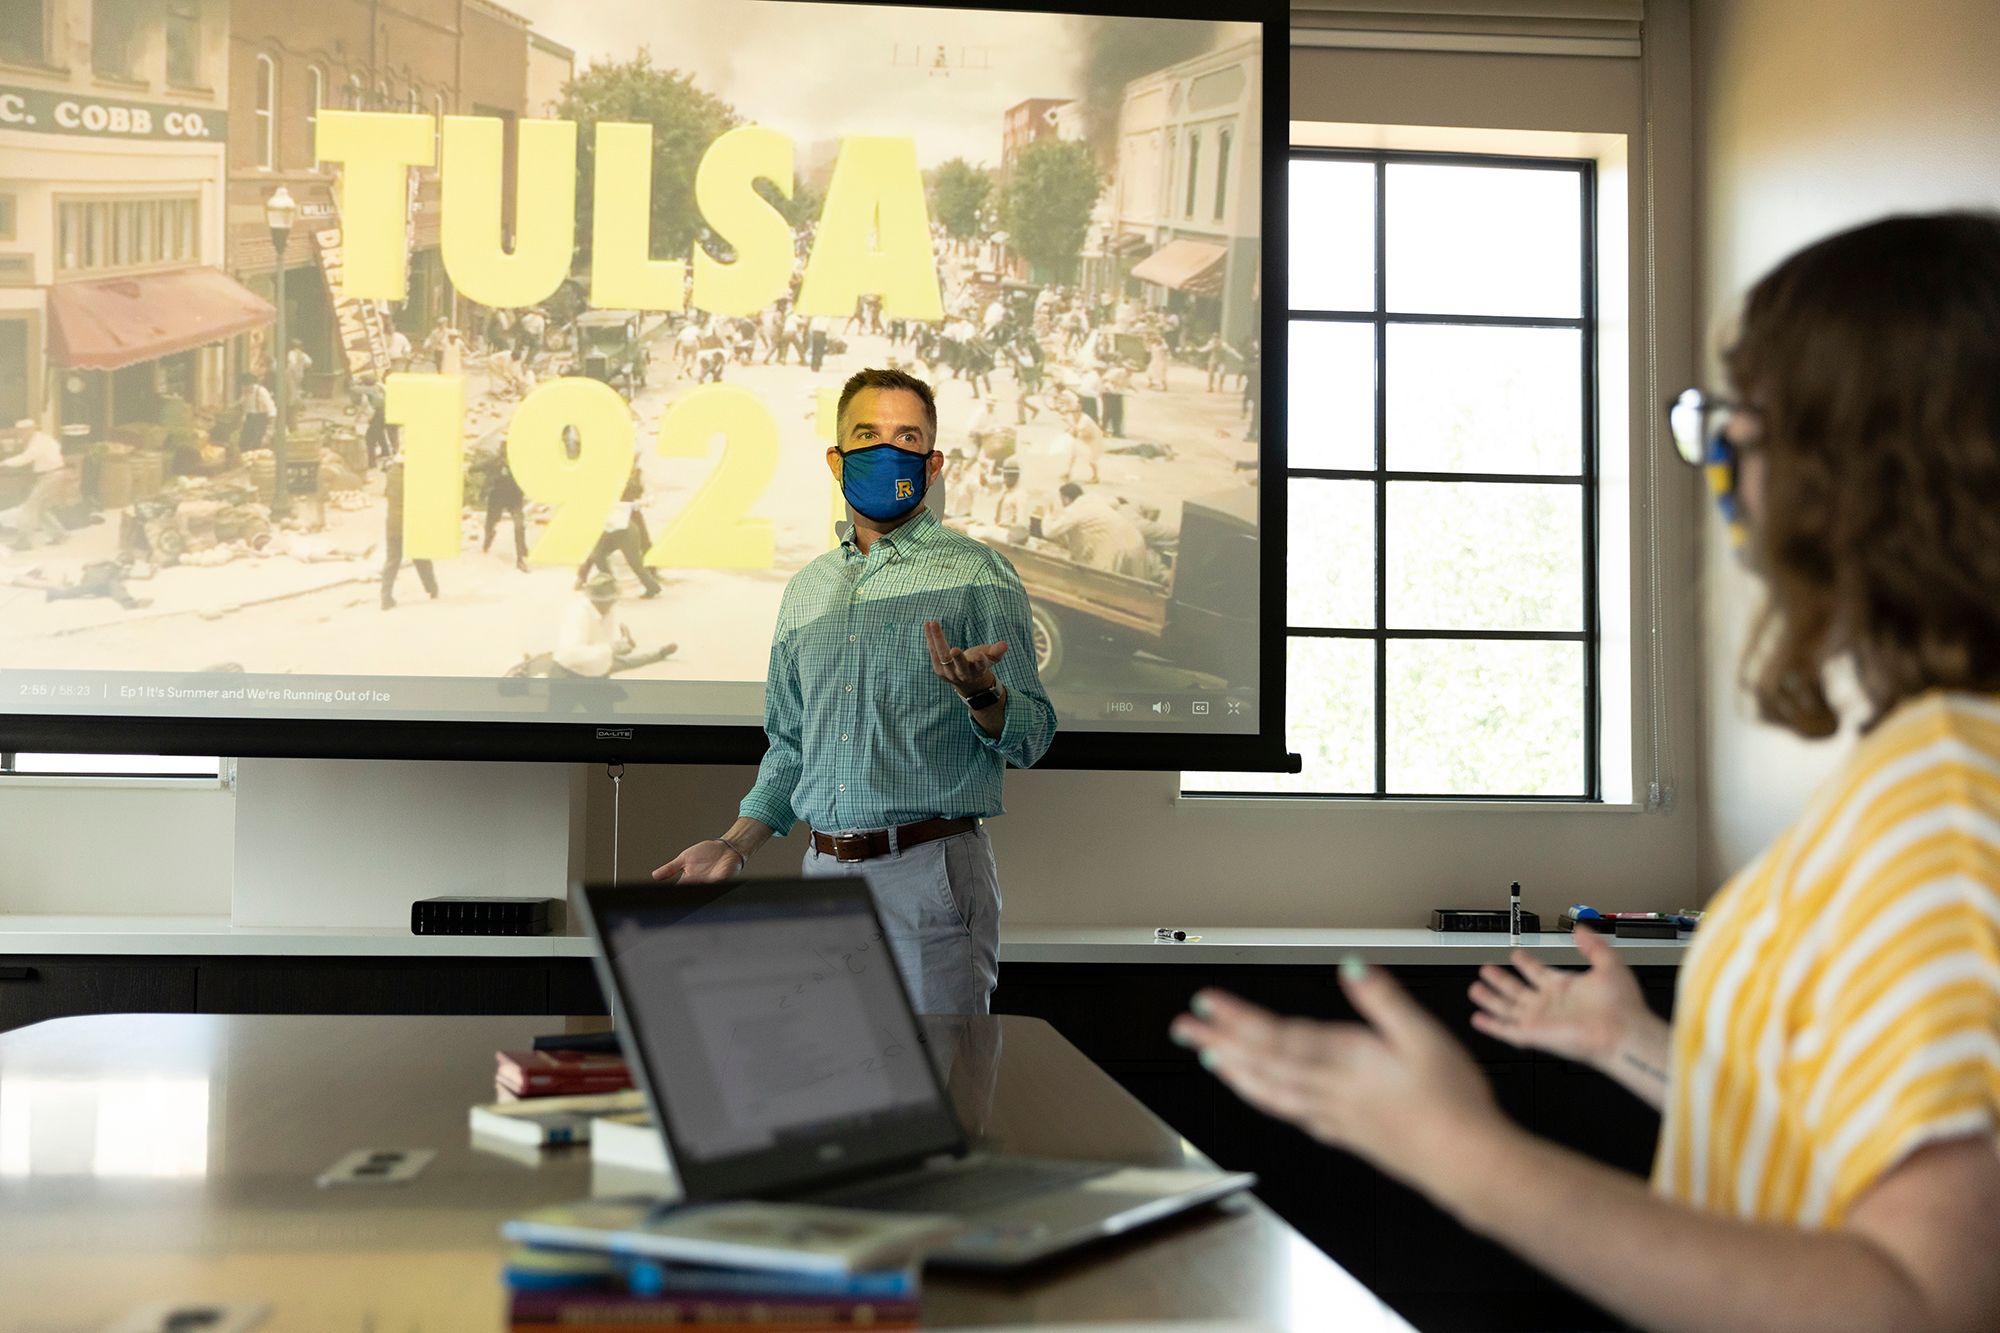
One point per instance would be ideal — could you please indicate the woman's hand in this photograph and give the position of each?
(1582, 1016)
(1397, 1090)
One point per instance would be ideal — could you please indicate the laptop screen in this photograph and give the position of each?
(769, 1024)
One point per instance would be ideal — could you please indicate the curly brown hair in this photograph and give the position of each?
(1873, 361)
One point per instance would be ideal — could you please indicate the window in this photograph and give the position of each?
(184, 43)
(315, 99)
(24, 31)
(264, 116)
(1441, 578)
(111, 765)
(116, 29)
(1193, 169)
(14, 368)
(125, 233)
(1222, 141)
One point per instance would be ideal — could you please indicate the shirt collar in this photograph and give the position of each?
(906, 540)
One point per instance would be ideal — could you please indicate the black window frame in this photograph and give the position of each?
(1381, 476)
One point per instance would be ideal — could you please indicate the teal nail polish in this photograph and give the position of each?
(1208, 1060)
(1179, 1038)
(1353, 968)
(1201, 1006)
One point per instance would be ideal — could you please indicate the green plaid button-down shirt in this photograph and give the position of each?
(863, 735)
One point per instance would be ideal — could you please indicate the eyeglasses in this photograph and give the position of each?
(1697, 421)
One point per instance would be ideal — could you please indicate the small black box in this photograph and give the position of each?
(1457, 919)
(481, 916)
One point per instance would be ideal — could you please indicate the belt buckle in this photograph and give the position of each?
(845, 842)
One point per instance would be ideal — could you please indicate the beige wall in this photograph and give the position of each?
(1122, 849)
(83, 847)
(1813, 115)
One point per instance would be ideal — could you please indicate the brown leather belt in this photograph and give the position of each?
(876, 842)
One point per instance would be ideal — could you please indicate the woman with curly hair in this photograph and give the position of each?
(1830, 1083)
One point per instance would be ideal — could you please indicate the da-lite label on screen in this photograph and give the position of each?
(614, 733)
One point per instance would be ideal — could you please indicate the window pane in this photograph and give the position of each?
(1329, 721)
(1464, 398)
(172, 765)
(1332, 246)
(1222, 145)
(1331, 389)
(1484, 241)
(1485, 718)
(1485, 555)
(1330, 574)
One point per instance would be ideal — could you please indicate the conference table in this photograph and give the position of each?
(170, 1160)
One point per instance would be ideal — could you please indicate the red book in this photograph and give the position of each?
(574, 1309)
(621, 1324)
(546, 1073)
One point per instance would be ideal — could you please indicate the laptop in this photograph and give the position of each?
(771, 1032)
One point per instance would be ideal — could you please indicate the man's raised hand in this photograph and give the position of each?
(967, 670)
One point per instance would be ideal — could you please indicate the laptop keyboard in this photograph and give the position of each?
(958, 1190)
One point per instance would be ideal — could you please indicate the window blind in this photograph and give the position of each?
(1532, 27)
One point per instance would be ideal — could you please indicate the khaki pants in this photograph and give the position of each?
(940, 906)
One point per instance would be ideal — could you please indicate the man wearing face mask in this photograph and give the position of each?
(902, 682)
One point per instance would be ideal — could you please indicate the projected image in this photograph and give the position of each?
(492, 379)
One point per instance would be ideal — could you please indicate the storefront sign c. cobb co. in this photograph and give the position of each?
(41, 111)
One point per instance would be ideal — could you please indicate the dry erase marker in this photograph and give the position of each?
(1514, 911)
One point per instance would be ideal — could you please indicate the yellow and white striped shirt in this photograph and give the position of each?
(1841, 1005)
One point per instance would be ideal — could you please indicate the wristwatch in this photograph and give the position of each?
(986, 698)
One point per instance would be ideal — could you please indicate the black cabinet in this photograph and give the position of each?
(374, 986)
(573, 988)
(1433, 1270)
(32, 989)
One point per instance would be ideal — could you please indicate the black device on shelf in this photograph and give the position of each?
(1457, 919)
(481, 916)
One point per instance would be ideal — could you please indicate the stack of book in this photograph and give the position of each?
(559, 1074)
(746, 1267)
(552, 1122)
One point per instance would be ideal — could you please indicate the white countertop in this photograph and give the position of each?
(1219, 945)
(215, 936)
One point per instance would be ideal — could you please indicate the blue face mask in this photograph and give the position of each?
(882, 482)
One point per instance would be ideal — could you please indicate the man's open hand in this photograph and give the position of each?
(967, 670)
(707, 862)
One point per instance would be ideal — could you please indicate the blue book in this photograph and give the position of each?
(651, 1277)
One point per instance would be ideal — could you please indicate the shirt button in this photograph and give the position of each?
(843, 735)
(843, 786)
(850, 638)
